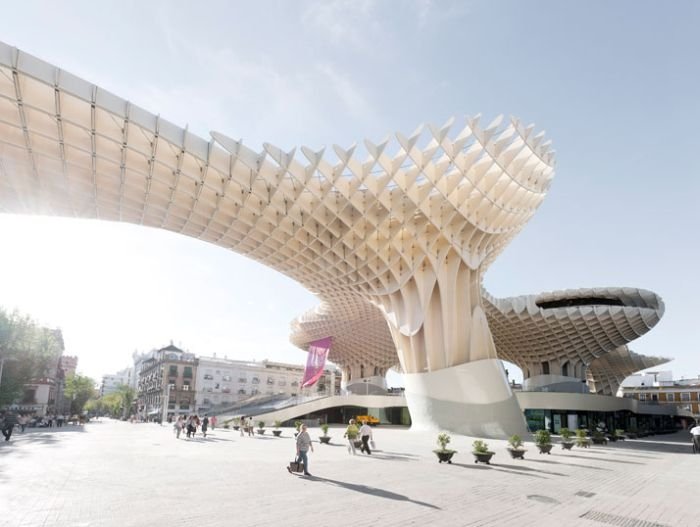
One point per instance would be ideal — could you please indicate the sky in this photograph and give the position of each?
(613, 84)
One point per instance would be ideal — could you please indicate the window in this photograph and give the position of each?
(545, 368)
(185, 388)
(670, 397)
(254, 391)
(565, 369)
(217, 386)
(642, 396)
(172, 371)
(208, 377)
(226, 378)
(241, 391)
(685, 396)
(654, 397)
(270, 380)
(226, 389)
(188, 372)
(256, 380)
(171, 386)
(282, 383)
(242, 380)
(184, 405)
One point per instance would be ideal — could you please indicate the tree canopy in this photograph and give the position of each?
(79, 389)
(28, 351)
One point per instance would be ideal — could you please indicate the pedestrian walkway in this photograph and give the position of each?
(120, 474)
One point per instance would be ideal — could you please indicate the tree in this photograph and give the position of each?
(27, 352)
(116, 404)
(79, 389)
(127, 395)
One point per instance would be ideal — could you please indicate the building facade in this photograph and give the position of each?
(221, 382)
(166, 384)
(112, 382)
(659, 388)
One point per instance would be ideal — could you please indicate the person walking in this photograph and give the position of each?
(190, 426)
(695, 433)
(303, 446)
(179, 425)
(212, 422)
(8, 423)
(250, 426)
(205, 425)
(351, 432)
(242, 426)
(366, 436)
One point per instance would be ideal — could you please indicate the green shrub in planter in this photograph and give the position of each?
(444, 453)
(581, 440)
(543, 440)
(481, 452)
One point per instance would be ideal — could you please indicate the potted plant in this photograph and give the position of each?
(236, 423)
(581, 440)
(515, 447)
(543, 440)
(443, 453)
(325, 438)
(620, 434)
(566, 435)
(632, 433)
(261, 427)
(481, 452)
(297, 425)
(599, 438)
(277, 432)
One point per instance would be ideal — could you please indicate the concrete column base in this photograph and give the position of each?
(473, 399)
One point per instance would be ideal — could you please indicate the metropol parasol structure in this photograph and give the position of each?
(394, 241)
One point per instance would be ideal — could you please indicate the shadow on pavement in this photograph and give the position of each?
(372, 491)
(382, 455)
(530, 469)
(497, 468)
(550, 462)
(44, 435)
(677, 443)
(606, 459)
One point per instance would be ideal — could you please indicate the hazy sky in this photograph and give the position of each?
(614, 84)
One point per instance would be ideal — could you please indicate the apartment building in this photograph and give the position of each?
(224, 381)
(166, 384)
(661, 388)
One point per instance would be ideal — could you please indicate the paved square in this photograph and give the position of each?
(112, 473)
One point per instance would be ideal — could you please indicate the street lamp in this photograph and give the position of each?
(366, 381)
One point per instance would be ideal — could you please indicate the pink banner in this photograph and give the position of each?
(318, 351)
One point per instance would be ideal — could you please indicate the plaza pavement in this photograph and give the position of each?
(113, 473)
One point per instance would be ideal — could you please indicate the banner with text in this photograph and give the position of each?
(318, 352)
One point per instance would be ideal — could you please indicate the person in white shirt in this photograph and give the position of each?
(365, 435)
(695, 432)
